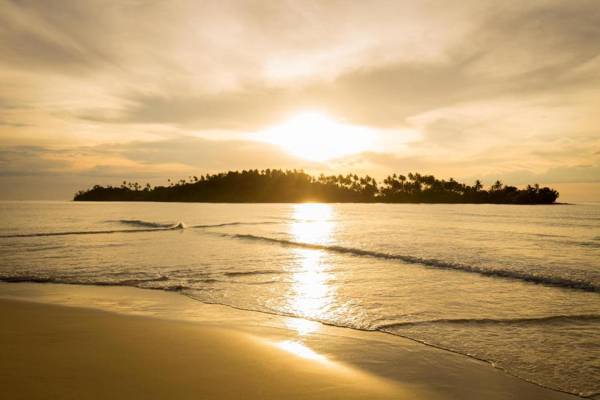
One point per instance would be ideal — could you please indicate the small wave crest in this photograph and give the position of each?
(100, 232)
(502, 273)
(225, 224)
(81, 281)
(250, 273)
(493, 321)
(591, 244)
(143, 224)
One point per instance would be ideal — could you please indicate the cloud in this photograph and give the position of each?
(40, 36)
(541, 43)
(253, 109)
(110, 87)
(27, 161)
(205, 155)
(163, 158)
(562, 174)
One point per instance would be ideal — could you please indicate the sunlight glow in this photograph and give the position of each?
(315, 136)
(312, 223)
(302, 326)
(301, 350)
(311, 291)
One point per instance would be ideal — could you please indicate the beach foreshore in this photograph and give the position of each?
(90, 342)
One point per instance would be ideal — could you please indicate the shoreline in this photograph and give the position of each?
(72, 352)
(307, 202)
(377, 360)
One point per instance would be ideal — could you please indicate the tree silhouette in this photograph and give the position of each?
(274, 185)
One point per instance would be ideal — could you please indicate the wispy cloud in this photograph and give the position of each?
(504, 89)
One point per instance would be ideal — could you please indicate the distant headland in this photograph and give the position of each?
(293, 186)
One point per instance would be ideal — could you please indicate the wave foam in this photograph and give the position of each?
(492, 321)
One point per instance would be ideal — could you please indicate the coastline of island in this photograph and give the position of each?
(293, 186)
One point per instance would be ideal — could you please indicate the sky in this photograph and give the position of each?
(101, 91)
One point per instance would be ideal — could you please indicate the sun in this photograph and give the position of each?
(315, 136)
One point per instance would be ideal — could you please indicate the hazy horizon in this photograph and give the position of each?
(98, 92)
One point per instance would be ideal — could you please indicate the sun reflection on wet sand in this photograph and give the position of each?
(302, 326)
(346, 375)
(312, 291)
(301, 350)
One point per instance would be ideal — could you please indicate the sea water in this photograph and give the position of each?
(517, 286)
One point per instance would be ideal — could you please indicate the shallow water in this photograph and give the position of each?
(514, 285)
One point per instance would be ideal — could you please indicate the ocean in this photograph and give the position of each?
(516, 286)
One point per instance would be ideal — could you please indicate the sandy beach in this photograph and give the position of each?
(299, 200)
(60, 352)
(177, 348)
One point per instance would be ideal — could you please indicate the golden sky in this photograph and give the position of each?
(98, 91)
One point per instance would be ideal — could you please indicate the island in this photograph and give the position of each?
(295, 186)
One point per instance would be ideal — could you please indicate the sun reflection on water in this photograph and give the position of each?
(313, 223)
(312, 291)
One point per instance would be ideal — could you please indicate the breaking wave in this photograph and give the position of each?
(147, 224)
(102, 232)
(143, 224)
(502, 273)
(80, 281)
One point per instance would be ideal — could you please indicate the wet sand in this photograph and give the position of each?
(179, 349)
